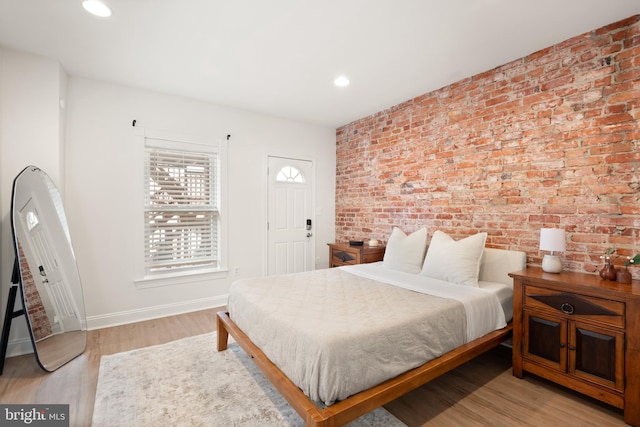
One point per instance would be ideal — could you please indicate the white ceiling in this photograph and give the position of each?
(280, 57)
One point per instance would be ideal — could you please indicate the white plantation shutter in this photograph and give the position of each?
(181, 208)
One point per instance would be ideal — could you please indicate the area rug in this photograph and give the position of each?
(189, 383)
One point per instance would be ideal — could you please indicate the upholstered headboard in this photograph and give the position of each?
(496, 264)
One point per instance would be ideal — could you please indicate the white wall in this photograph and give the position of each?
(87, 144)
(31, 133)
(104, 197)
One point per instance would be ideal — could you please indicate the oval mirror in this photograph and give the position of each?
(49, 280)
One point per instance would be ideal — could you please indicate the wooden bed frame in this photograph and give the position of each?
(347, 410)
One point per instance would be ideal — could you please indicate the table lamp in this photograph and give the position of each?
(552, 239)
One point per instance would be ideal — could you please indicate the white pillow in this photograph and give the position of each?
(405, 253)
(454, 261)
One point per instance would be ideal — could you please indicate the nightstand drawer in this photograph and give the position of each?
(345, 257)
(576, 306)
(345, 254)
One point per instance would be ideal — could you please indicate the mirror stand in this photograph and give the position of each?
(10, 314)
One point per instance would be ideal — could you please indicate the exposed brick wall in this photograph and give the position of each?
(549, 140)
(40, 324)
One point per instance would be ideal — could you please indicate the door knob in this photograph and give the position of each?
(309, 234)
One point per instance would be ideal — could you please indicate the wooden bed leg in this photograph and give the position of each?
(223, 334)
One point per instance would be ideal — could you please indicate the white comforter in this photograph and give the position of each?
(483, 309)
(339, 331)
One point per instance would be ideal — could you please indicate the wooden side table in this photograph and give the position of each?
(344, 254)
(579, 331)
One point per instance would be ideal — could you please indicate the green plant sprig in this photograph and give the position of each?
(635, 260)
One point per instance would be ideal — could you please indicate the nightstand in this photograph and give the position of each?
(579, 331)
(344, 254)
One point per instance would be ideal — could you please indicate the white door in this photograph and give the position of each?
(290, 223)
(54, 289)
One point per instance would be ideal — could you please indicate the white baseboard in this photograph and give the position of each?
(149, 313)
(20, 346)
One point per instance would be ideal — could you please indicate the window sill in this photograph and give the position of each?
(171, 279)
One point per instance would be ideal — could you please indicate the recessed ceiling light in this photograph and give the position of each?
(341, 81)
(96, 7)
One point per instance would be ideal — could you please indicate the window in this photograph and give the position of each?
(290, 174)
(32, 220)
(182, 209)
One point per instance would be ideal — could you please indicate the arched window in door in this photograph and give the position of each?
(290, 174)
(32, 220)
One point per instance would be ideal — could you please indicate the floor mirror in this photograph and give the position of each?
(50, 286)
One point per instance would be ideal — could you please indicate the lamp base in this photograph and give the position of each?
(551, 264)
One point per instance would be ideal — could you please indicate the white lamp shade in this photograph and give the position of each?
(552, 239)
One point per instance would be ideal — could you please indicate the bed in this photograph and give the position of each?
(340, 342)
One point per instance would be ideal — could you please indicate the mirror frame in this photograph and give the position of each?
(55, 308)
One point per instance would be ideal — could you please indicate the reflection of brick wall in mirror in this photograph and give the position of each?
(37, 314)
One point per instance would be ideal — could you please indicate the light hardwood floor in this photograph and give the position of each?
(480, 393)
